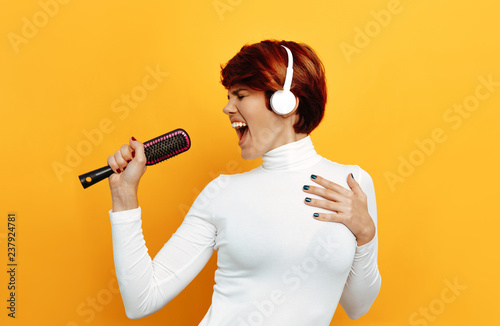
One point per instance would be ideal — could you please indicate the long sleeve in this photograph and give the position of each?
(147, 285)
(364, 280)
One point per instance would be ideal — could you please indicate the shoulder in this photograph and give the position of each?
(363, 177)
(360, 175)
(225, 181)
(222, 178)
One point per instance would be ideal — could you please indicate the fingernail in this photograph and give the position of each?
(313, 176)
(306, 187)
(133, 154)
(129, 161)
(133, 138)
(352, 176)
(308, 199)
(118, 171)
(316, 215)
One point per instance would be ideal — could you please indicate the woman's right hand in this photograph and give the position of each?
(129, 165)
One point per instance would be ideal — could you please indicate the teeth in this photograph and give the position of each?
(238, 125)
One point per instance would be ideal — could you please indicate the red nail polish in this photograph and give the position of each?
(133, 154)
(133, 138)
(118, 171)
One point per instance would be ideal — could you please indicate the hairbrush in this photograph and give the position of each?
(156, 150)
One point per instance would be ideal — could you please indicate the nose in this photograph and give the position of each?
(230, 108)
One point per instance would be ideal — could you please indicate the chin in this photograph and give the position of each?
(248, 156)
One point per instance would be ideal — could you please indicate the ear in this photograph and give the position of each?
(294, 109)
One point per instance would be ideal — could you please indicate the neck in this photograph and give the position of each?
(286, 139)
(291, 156)
(299, 137)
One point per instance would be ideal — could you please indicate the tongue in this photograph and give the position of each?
(242, 132)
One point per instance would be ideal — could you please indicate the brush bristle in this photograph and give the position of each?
(166, 146)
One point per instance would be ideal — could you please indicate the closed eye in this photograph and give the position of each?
(237, 93)
(240, 97)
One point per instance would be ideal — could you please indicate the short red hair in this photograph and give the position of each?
(262, 66)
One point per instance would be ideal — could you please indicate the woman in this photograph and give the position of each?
(295, 236)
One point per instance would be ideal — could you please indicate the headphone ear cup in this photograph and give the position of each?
(283, 102)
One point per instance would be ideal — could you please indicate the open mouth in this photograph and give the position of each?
(241, 129)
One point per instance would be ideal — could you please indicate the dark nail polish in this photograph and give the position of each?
(313, 176)
(308, 199)
(316, 215)
(133, 154)
(306, 187)
(118, 171)
(128, 161)
(352, 176)
(133, 138)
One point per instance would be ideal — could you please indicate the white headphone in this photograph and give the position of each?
(283, 101)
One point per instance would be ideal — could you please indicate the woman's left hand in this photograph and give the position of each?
(349, 207)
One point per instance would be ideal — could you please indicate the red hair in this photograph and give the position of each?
(262, 66)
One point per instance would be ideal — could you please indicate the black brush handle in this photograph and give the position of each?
(95, 176)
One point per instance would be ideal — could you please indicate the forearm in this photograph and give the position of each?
(364, 281)
(124, 199)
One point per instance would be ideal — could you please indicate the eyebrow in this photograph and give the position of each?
(235, 92)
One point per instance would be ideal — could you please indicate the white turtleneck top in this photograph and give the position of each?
(276, 265)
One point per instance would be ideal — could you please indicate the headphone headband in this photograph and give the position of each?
(283, 101)
(289, 70)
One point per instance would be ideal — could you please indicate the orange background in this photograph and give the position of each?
(397, 73)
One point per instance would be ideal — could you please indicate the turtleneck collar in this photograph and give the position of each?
(291, 156)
